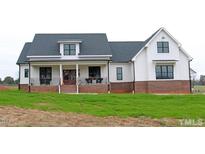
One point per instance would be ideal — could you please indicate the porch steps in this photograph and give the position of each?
(68, 88)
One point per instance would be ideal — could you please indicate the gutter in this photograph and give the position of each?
(133, 77)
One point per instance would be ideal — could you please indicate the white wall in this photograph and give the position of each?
(23, 80)
(127, 71)
(145, 66)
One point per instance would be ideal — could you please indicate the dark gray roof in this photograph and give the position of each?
(125, 51)
(92, 44)
(23, 56)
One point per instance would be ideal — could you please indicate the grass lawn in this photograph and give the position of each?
(123, 105)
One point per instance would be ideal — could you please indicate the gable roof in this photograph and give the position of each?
(23, 56)
(124, 51)
(92, 44)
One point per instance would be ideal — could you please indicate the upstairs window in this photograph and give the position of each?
(69, 49)
(164, 72)
(119, 73)
(26, 72)
(163, 47)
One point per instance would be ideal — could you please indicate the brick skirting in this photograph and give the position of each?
(175, 86)
(68, 88)
(97, 88)
(24, 87)
(44, 88)
(121, 87)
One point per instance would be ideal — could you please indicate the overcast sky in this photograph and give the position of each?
(129, 20)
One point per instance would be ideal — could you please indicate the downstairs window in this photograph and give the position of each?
(164, 72)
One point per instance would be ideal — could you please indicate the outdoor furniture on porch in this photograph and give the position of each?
(90, 80)
(99, 80)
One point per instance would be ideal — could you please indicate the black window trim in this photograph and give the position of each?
(69, 49)
(96, 74)
(163, 47)
(161, 76)
(26, 73)
(44, 77)
(119, 74)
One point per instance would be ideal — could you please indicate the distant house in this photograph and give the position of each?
(89, 63)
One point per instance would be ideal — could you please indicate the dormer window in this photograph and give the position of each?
(69, 49)
(163, 47)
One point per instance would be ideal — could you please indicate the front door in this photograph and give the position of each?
(69, 77)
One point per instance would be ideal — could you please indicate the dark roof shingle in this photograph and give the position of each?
(23, 56)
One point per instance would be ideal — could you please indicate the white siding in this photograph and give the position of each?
(145, 66)
(141, 67)
(23, 80)
(127, 71)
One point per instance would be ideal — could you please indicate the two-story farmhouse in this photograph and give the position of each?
(89, 63)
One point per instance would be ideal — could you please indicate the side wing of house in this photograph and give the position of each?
(162, 66)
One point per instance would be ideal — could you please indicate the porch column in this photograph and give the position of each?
(77, 84)
(61, 74)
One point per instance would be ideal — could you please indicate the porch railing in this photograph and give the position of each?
(56, 81)
(38, 82)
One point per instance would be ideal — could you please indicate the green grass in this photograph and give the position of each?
(123, 105)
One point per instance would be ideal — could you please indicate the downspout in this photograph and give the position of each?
(108, 75)
(133, 77)
(19, 77)
(190, 83)
(29, 87)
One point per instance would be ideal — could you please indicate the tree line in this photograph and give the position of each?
(9, 81)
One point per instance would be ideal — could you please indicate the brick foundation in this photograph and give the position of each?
(175, 86)
(121, 87)
(24, 87)
(68, 88)
(44, 88)
(97, 88)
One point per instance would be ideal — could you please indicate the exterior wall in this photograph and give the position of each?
(44, 88)
(174, 86)
(68, 89)
(145, 66)
(97, 88)
(127, 71)
(23, 80)
(121, 87)
(24, 87)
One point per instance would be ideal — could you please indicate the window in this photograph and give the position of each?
(119, 73)
(45, 75)
(69, 49)
(163, 47)
(26, 72)
(164, 72)
(94, 72)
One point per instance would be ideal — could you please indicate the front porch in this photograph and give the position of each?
(84, 77)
